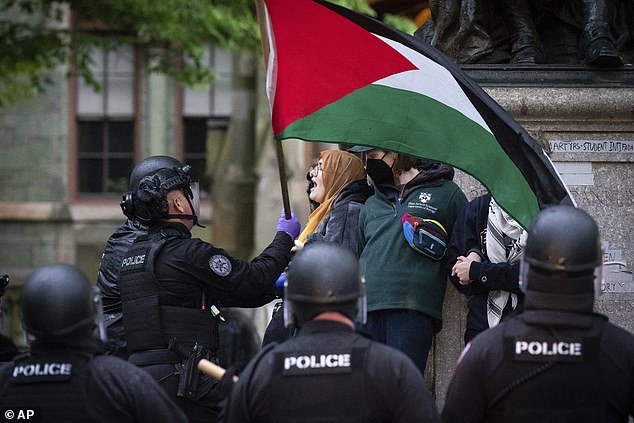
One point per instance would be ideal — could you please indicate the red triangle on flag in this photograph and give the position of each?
(322, 57)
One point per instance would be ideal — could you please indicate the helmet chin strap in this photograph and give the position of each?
(193, 217)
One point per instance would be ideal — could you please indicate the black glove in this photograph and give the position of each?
(225, 385)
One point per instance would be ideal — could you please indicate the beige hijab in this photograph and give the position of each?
(339, 169)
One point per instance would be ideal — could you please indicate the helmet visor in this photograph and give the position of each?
(523, 274)
(362, 305)
(286, 305)
(194, 187)
(100, 326)
(599, 280)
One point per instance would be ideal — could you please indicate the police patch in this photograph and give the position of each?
(41, 371)
(220, 265)
(297, 364)
(546, 350)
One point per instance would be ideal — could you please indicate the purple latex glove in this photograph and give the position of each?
(290, 226)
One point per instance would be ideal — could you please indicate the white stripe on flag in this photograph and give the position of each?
(431, 80)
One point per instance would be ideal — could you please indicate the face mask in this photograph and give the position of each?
(380, 172)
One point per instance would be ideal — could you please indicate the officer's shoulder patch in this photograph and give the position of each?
(220, 265)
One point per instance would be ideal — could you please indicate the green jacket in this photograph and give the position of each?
(397, 276)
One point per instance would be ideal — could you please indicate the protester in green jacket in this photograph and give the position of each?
(405, 283)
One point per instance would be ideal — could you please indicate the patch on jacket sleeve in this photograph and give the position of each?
(220, 265)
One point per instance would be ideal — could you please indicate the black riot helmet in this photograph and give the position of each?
(151, 196)
(58, 303)
(150, 165)
(323, 277)
(562, 262)
(146, 167)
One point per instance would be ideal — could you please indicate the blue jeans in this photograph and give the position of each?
(408, 331)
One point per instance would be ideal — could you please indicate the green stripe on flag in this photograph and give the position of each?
(414, 124)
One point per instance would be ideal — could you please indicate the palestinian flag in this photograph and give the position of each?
(340, 77)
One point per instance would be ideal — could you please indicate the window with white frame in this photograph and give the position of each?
(205, 108)
(105, 123)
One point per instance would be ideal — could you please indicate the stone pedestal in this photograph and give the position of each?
(585, 121)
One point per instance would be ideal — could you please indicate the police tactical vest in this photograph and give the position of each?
(149, 325)
(557, 369)
(52, 387)
(322, 384)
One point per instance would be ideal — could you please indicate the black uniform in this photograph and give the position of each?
(108, 275)
(330, 371)
(8, 350)
(108, 282)
(545, 365)
(171, 285)
(73, 385)
(469, 234)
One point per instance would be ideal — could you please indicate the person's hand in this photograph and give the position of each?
(461, 269)
(225, 384)
(298, 246)
(290, 226)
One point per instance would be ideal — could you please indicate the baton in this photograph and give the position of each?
(213, 370)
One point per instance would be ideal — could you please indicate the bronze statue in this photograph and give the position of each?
(533, 31)
(596, 47)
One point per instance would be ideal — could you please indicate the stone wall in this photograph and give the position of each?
(587, 129)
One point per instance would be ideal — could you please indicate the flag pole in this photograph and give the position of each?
(279, 152)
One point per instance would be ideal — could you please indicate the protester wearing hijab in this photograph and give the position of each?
(340, 187)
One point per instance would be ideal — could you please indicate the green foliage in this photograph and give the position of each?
(26, 54)
(35, 36)
(360, 6)
(400, 23)
(394, 21)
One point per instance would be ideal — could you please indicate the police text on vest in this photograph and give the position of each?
(317, 361)
(42, 369)
(132, 260)
(544, 348)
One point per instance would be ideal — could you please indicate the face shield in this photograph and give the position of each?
(194, 187)
(192, 194)
(286, 307)
(523, 274)
(362, 305)
(599, 280)
(100, 326)
(99, 331)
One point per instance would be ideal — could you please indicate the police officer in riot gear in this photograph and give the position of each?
(556, 361)
(117, 245)
(62, 379)
(172, 288)
(328, 372)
